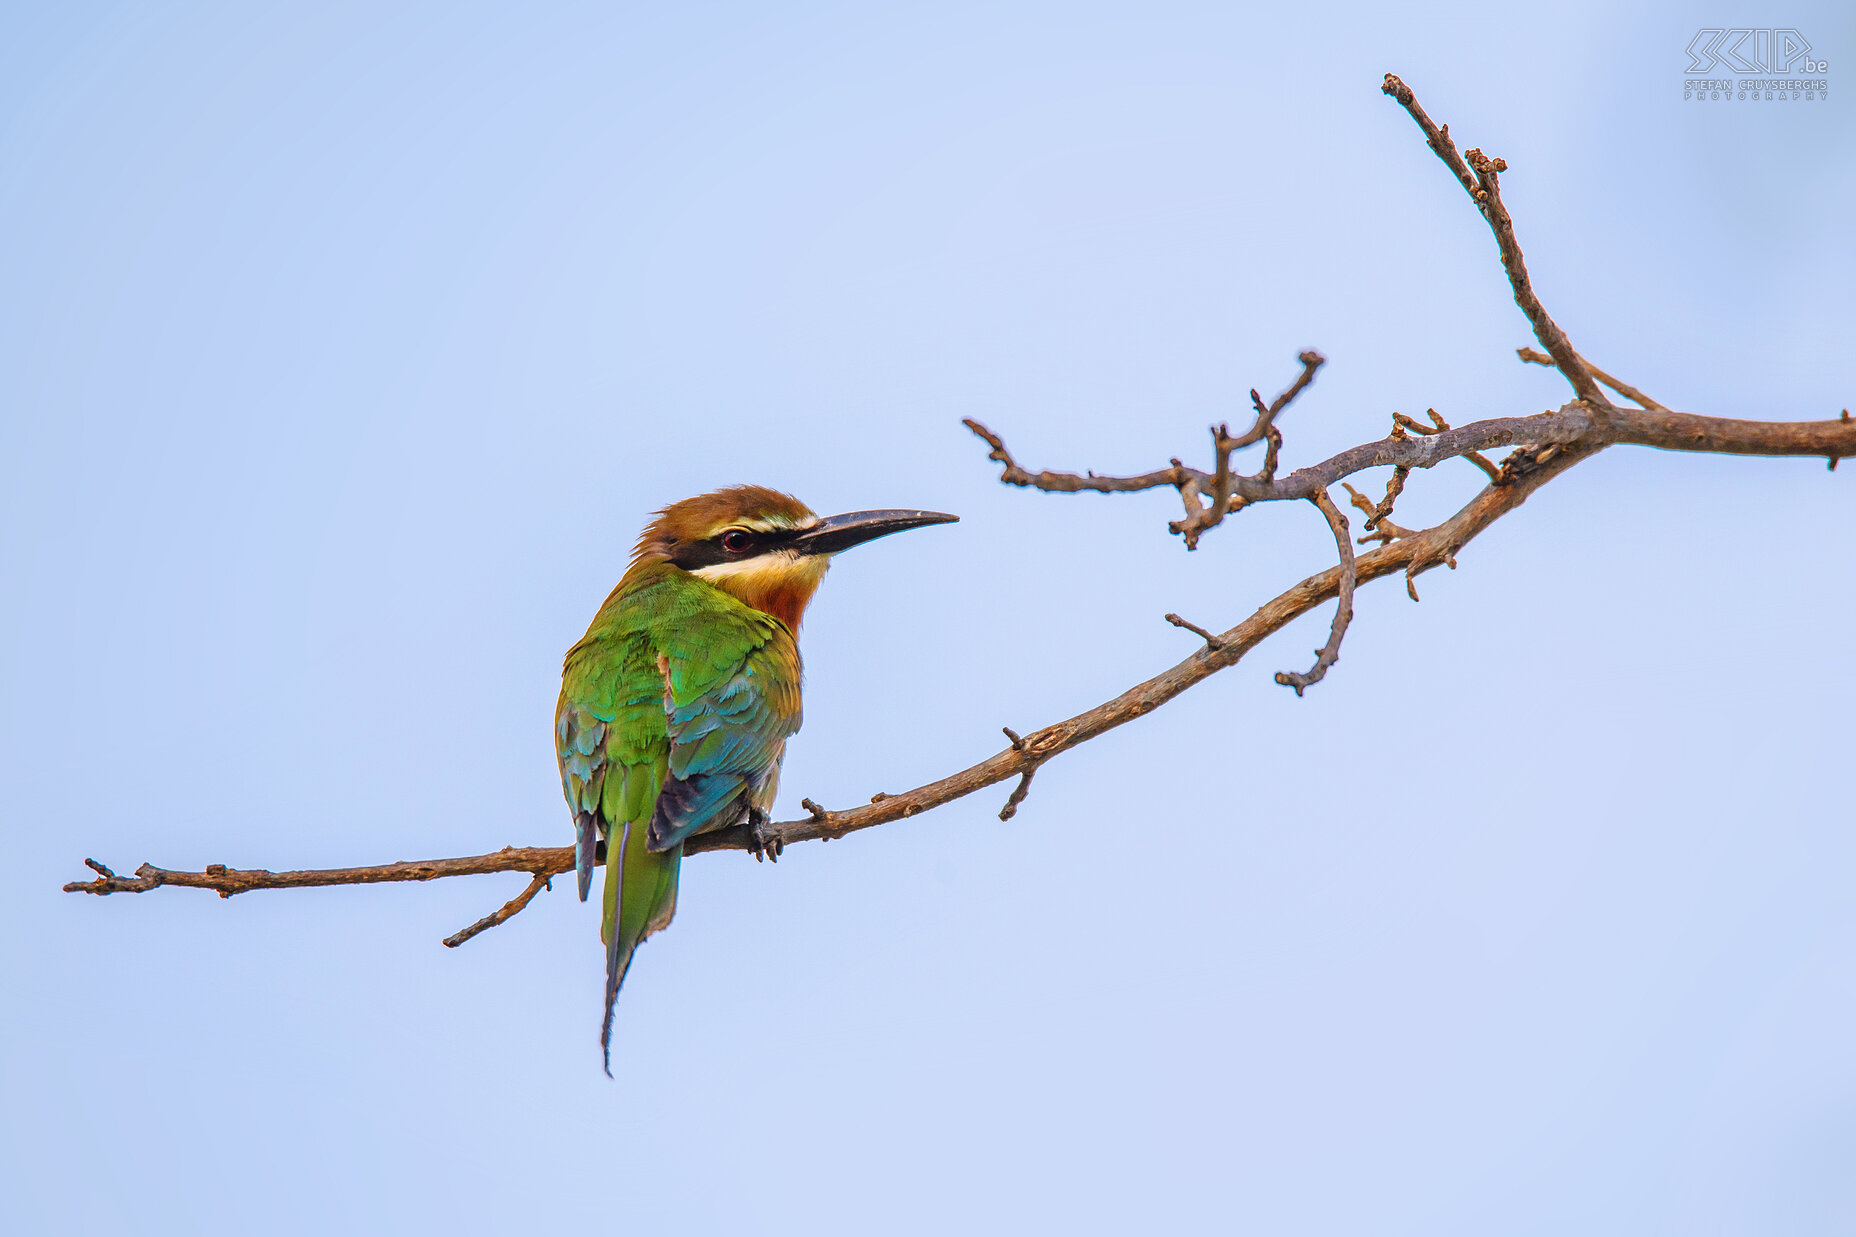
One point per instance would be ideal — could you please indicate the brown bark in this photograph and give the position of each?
(1544, 446)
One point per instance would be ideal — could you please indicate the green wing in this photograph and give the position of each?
(610, 738)
(673, 717)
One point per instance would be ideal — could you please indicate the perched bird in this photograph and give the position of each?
(676, 705)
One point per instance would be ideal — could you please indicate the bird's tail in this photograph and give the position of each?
(640, 898)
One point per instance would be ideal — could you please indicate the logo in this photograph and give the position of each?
(1796, 74)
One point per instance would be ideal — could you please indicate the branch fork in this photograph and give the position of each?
(1329, 653)
(1543, 447)
(1200, 518)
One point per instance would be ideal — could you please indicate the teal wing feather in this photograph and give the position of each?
(580, 746)
(731, 705)
(610, 738)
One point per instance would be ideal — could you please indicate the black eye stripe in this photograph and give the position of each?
(692, 555)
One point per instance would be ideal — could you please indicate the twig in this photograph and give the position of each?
(1267, 413)
(1379, 525)
(502, 914)
(1200, 519)
(1272, 449)
(1329, 653)
(1024, 779)
(1194, 628)
(1069, 482)
(1622, 388)
(1394, 487)
(1437, 426)
(1480, 180)
(1018, 794)
(1485, 464)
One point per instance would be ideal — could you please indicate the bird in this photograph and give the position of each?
(676, 705)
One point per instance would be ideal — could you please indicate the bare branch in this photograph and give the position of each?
(1379, 526)
(535, 860)
(502, 914)
(1416, 554)
(1485, 464)
(1563, 437)
(1267, 413)
(1684, 431)
(1227, 490)
(1543, 447)
(1194, 628)
(1200, 519)
(1394, 487)
(1329, 653)
(1480, 180)
(1622, 388)
(1570, 423)
(1438, 426)
(1024, 779)
(1072, 483)
(1018, 794)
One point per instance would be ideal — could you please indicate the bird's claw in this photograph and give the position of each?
(763, 843)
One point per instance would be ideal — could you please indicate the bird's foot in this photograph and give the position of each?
(760, 841)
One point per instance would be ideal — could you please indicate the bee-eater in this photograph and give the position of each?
(677, 703)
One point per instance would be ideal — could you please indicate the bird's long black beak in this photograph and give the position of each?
(841, 532)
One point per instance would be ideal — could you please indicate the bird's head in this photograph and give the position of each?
(765, 548)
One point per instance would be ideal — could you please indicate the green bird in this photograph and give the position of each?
(677, 703)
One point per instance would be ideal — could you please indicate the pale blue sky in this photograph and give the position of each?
(344, 348)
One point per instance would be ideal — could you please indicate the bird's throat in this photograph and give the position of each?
(780, 585)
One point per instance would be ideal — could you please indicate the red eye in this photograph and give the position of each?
(735, 541)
